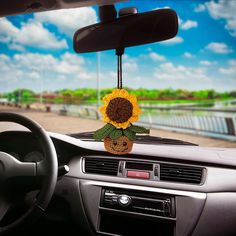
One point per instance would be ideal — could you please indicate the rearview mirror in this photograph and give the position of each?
(127, 31)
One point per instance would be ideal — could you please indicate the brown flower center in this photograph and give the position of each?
(119, 110)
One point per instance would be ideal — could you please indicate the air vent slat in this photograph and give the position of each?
(101, 166)
(179, 173)
(180, 179)
(98, 160)
(171, 172)
(182, 174)
(100, 170)
(178, 176)
(182, 170)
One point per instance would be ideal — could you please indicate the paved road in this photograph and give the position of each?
(65, 124)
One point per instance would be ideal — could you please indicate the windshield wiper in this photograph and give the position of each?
(144, 139)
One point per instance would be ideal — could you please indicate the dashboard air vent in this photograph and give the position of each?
(179, 173)
(101, 166)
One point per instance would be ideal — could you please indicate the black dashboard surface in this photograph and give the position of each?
(24, 146)
(80, 192)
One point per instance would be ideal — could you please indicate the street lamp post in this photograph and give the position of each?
(42, 88)
(98, 78)
(98, 83)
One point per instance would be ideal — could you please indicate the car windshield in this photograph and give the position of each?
(186, 86)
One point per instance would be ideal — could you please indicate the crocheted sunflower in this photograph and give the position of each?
(119, 111)
(120, 108)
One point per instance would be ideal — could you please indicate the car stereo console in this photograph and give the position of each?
(139, 202)
(132, 212)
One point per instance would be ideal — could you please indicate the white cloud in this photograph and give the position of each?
(188, 55)
(4, 61)
(4, 57)
(219, 48)
(180, 21)
(7, 27)
(68, 20)
(16, 46)
(130, 64)
(200, 8)
(125, 57)
(34, 75)
(149, 49)
(175, 40)
(34, 34)
(232, 62)
(44, 71)
(207, 63)
(30, 33)
(222, 9)
(112, 75)
(8, 30)
(31, 69)
(67, 63)
(156, 57)
(188, 25)
(230, 70)
(130, 67)
(168, 71)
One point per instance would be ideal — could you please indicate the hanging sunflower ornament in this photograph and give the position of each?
(119, 111)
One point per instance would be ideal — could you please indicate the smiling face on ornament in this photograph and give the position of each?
(119, 146)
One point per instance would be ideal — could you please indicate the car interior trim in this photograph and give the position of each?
(198, 195)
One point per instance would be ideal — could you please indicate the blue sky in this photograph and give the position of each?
(36, 50)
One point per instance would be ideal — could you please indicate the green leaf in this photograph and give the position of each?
(139, 129)
(103, 132)
(98, 136)
(115, 134)
(129, 134)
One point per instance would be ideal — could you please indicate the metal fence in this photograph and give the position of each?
(218, 123)
(214, 126)
(221, 126)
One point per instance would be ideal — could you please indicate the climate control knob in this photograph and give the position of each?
(124, 200)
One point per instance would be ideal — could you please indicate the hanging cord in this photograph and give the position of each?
(119, 54)
(119, 71)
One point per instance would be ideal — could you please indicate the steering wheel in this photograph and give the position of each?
(11, 167)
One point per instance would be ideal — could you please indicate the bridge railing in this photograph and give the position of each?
(214, 126)
(218, 123)
(222, 125)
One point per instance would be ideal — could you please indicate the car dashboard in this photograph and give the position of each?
(166, 189)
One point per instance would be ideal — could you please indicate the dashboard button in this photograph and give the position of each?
(138, 174)
(124, 200)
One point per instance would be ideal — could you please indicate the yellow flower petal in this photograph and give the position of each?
(124, 93)
(121, 93)
(136, 112)
(133, 98)
(106, 119)
(102, 108)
